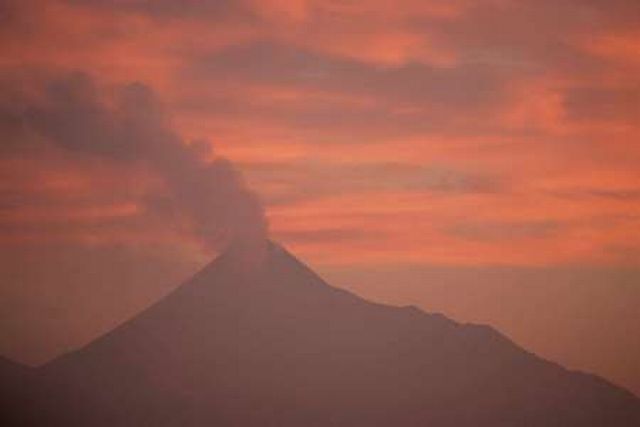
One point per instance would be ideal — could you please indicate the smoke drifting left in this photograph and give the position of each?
(197, 194)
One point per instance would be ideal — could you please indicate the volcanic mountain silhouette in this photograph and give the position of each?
(280, 347)
(15, 392)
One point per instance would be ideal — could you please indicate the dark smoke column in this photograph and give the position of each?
(201, 195)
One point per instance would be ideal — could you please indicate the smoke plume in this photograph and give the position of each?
(201, 194)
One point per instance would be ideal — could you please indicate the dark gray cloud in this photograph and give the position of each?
(628, 194)
(612, 194)
(598, 103)
(306, 180)
(497, 231)
(206, 197)
(463, 86)
(327, 235)
(530, 37)
(170, 9)
(356, 102)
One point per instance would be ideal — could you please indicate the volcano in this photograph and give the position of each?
(280, 347)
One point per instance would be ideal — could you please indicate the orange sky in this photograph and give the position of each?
(473, 134)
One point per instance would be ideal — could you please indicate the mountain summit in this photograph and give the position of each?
(283, 348)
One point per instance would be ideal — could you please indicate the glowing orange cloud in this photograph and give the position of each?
(413, 127)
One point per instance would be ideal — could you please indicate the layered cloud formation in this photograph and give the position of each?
(455, 132)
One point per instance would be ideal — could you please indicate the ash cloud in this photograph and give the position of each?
(205, 198)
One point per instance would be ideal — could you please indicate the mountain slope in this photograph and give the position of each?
(282, 348)
(15, 392)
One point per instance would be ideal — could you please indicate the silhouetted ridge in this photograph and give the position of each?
(15, 392)
(277, 346)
